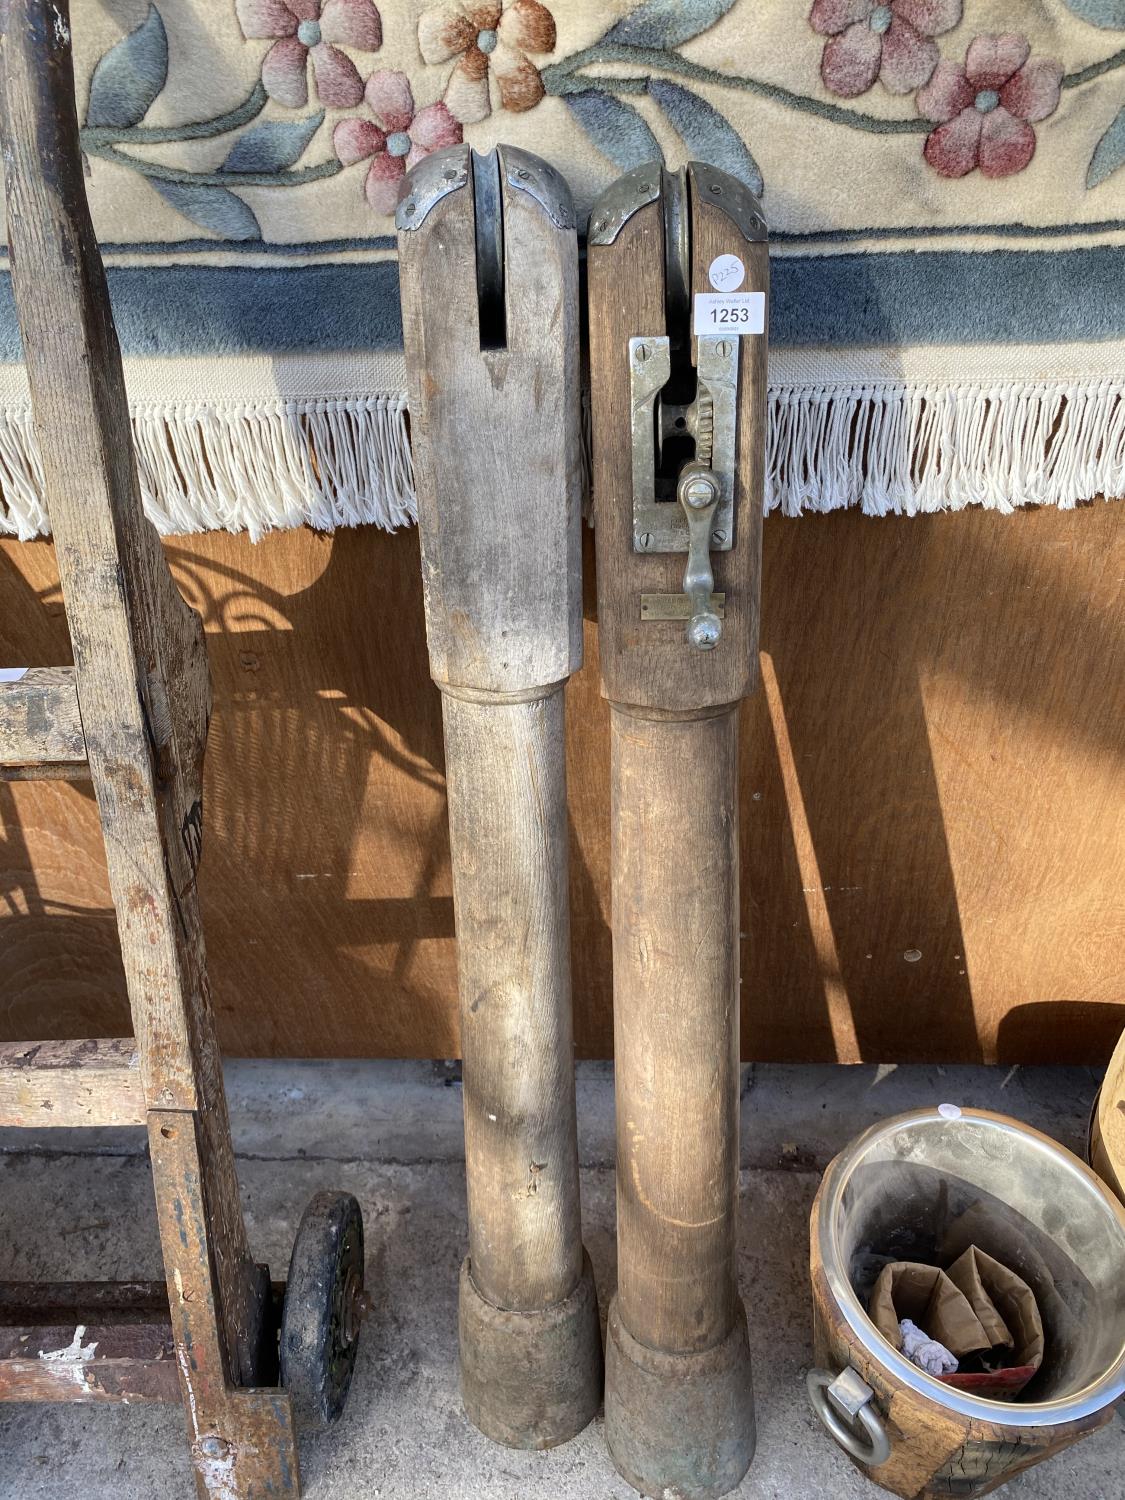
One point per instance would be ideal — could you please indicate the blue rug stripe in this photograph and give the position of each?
(289, 249)
(891, 300)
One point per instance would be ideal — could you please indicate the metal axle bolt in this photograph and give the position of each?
(357, 1307)
(699, 492)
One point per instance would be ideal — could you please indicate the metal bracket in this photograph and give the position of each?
(732, 196)
(433, 179)
(661, 526)
(650, 365)
(529, 174)
(621, 200)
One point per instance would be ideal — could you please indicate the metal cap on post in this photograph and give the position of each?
(677, 275)
(489, 272)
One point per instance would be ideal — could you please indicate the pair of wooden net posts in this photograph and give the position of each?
(677, 276)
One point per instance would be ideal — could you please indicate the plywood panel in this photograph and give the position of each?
(933, 800)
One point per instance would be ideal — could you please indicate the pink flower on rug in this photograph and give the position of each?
(487, 38)
(316, 29)
(397, 139)
(869, 40)
(985, 108)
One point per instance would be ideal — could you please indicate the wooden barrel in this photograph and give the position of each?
(1106, 1147)
(1014, 1190)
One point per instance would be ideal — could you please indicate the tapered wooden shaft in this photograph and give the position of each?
(489, 270)
(674, 810)
(508, 834)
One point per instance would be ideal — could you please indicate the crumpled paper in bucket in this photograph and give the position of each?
(976, 1305)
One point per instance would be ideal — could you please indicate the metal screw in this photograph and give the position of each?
(722, 348)
(700, 491)
(450, 174)
(715, 188)
(214, 1447)
(646, 539)
(718, 537)
(523, 174)
(601, 224)
(410, 206)
(641, 353)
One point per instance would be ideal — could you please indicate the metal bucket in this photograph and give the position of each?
(925, 1185)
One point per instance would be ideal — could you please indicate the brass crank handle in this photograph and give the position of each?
(698, 494)
(856, 1398)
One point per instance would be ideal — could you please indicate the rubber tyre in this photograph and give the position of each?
(317, 1359)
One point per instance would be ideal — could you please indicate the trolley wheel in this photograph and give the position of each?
(324, 1306)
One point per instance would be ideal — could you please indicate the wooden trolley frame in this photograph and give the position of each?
(131, 715)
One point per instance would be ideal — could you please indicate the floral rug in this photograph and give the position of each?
(944, 182)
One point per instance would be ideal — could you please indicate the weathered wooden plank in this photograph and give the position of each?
(52, 771)
(126, 1362)
(40, 719)
(71, 1084)
(86, 1341)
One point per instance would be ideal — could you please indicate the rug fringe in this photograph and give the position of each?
(889, 449)
(911, 450)
(245, 466)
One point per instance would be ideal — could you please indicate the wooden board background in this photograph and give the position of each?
(933, 801)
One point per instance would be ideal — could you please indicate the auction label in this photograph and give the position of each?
(729, 312)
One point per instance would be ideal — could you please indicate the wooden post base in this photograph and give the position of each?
(531, 1379)
(679, 1425)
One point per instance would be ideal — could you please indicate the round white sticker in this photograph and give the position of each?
(726, 273)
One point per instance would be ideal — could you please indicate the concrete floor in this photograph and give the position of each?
(390, 1132)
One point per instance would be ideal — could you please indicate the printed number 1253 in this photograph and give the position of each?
(729, 312)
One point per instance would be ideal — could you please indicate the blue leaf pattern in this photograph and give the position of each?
(667, 23)
(271, 146)
(615, 128)
(129, 76)
(705, 133)
(1109, 14)
(1109, 153)
(214, 208)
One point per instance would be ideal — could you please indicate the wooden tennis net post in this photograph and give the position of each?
(678, 273)
(489, 273)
